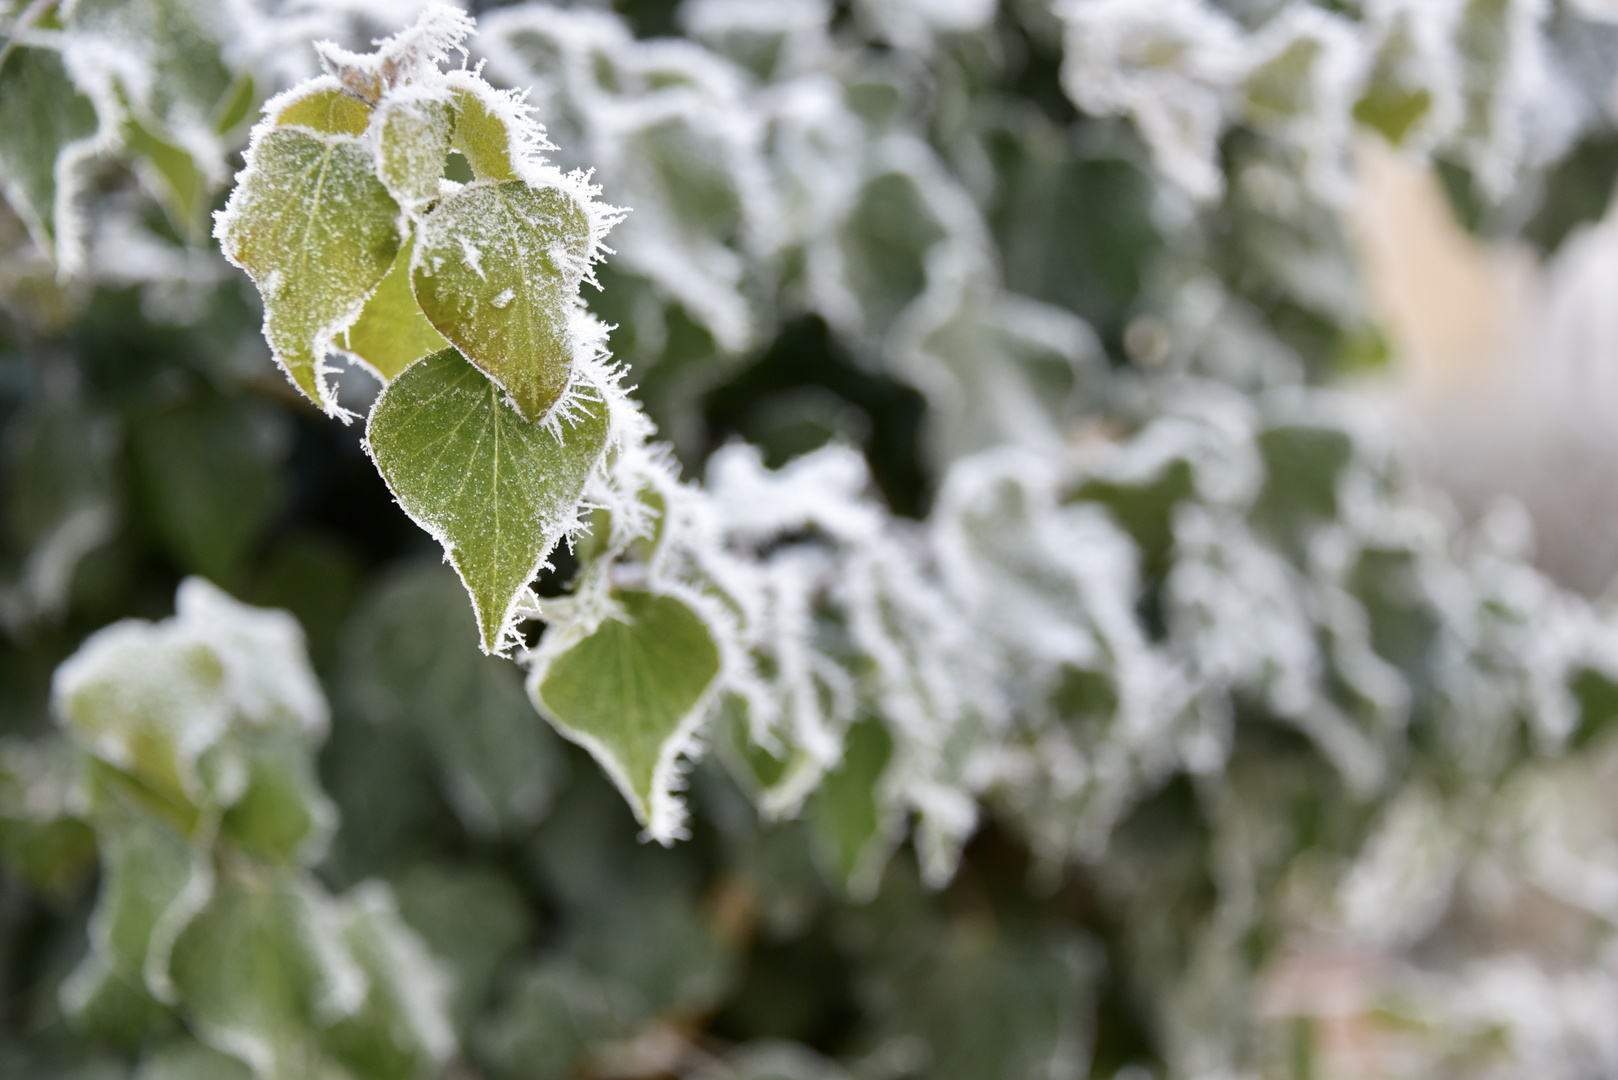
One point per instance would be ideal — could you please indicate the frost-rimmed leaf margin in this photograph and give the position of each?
(594, 384)
(659, 809)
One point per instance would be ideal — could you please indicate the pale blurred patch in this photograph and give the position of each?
(1506, 366)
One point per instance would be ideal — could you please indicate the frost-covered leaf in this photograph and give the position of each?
(44, 838)
(47, 132)
(403, 1027)
(262, 969)
(316, 230)
(1167, 65)
(281, 816)
(631, 692)
(885, 241)
(392, 333)
(481, 133)
(165, 59)
(154, 882)
(497, 271)
(409, 668)
(1410, 94)
(412, 139)
(496, 490)
(171, 711)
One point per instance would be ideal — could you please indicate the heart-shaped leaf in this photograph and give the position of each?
(497, 271)
(496, 490)
(316, 230)
(630, 693)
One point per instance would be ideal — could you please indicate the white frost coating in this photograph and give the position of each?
(1167, 64)
(188, 679)
(71, 171)
(1315, 114)
(399, 960)
(412, 54)
(913, 24)
(179, 687)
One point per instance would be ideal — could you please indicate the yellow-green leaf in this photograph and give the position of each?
(392, 333)
(316, 230)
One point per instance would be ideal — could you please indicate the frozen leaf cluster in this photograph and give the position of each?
(195, 741)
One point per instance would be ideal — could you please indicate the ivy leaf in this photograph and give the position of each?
(316, 230)
(261, 968)
(497, 271)
(496, 490)
(152, 882)
(46, 128)
(282, 815)
(392, 333)
(403, 1027)
(630, 693)
(412, 136)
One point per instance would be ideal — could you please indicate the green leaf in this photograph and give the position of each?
(181, 187)
(413, 136)
(328, 112)
(43, 840)
(497, 270)
(316, 230)
(176, 45)
(403, 1028)
(261, 969)
(42, 117)
(392, 333)
(100, 1001)
(630, 693)
(496, 490)
(481, 135)
(153, 881)
(146, 708)
(855, 831)
(282, 816)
